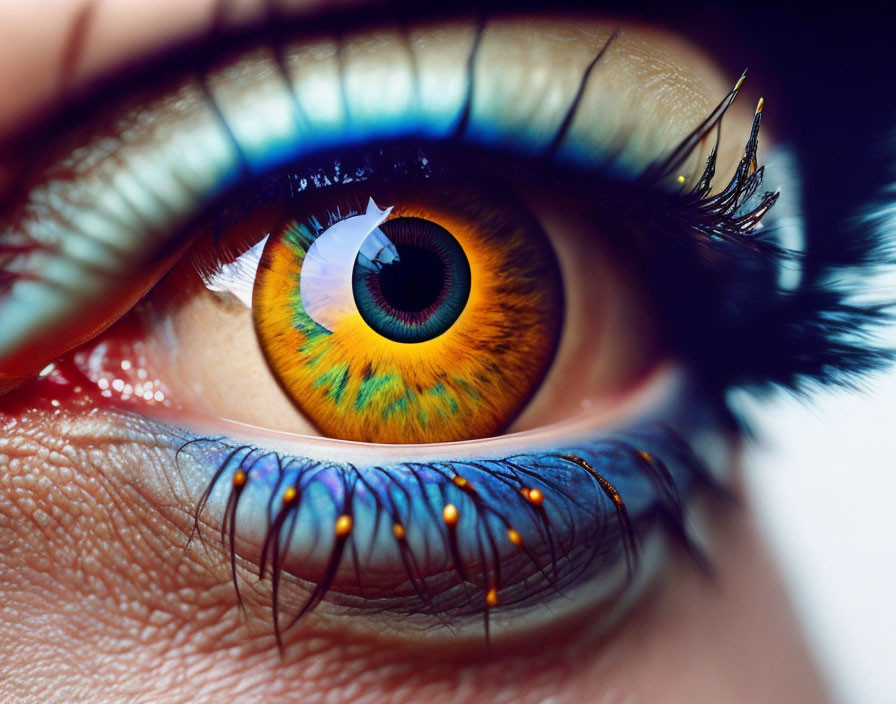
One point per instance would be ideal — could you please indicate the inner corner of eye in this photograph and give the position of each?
(396, 313)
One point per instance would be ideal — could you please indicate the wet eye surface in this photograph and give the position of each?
(387, 326)
(445, 320)
(504, 340)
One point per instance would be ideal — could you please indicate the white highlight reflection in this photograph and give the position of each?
(326, 282)
(238, 277)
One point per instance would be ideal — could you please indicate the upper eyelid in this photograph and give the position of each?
(140, 66)
(168, 181)
(77, 111)
(428, 106)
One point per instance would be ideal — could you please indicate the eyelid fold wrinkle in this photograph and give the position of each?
(111, 203)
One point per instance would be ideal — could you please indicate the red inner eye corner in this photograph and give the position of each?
(110, 370)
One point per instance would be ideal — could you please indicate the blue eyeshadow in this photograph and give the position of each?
(452, 538)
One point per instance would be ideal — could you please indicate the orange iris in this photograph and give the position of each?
(466, 375)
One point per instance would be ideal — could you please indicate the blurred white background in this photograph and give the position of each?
(823, 479)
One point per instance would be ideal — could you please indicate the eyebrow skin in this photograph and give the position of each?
(47, 54)
(43, 57)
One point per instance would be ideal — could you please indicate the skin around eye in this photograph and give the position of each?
(256, 113)
(100, 483)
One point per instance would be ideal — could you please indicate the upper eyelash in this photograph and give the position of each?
(721, 216)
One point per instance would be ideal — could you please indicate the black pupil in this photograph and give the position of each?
(415, 282)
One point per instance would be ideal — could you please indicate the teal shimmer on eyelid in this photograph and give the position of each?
(276, 122)
(106, 212)
(174, 156)
(279, 111)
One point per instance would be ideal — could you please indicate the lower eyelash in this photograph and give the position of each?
(468, 536)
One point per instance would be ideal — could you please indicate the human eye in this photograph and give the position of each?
(420, 333)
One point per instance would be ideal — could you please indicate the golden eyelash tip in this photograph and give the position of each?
(514, 537)
(290, 495)
(646, 456)
(534, 495)
(740, 81)
(614, 495)
(491, 597)
(343, 525)
(760, 105)
(398, 531)
(450, 515)
(461, 482)
(681, 179)
(239, 479)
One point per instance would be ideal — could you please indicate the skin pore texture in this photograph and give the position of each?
(102, 599)
(102, 603)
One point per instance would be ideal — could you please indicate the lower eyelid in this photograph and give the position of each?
(333, 524)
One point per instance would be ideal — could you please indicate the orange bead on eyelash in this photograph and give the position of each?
(466, 376)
